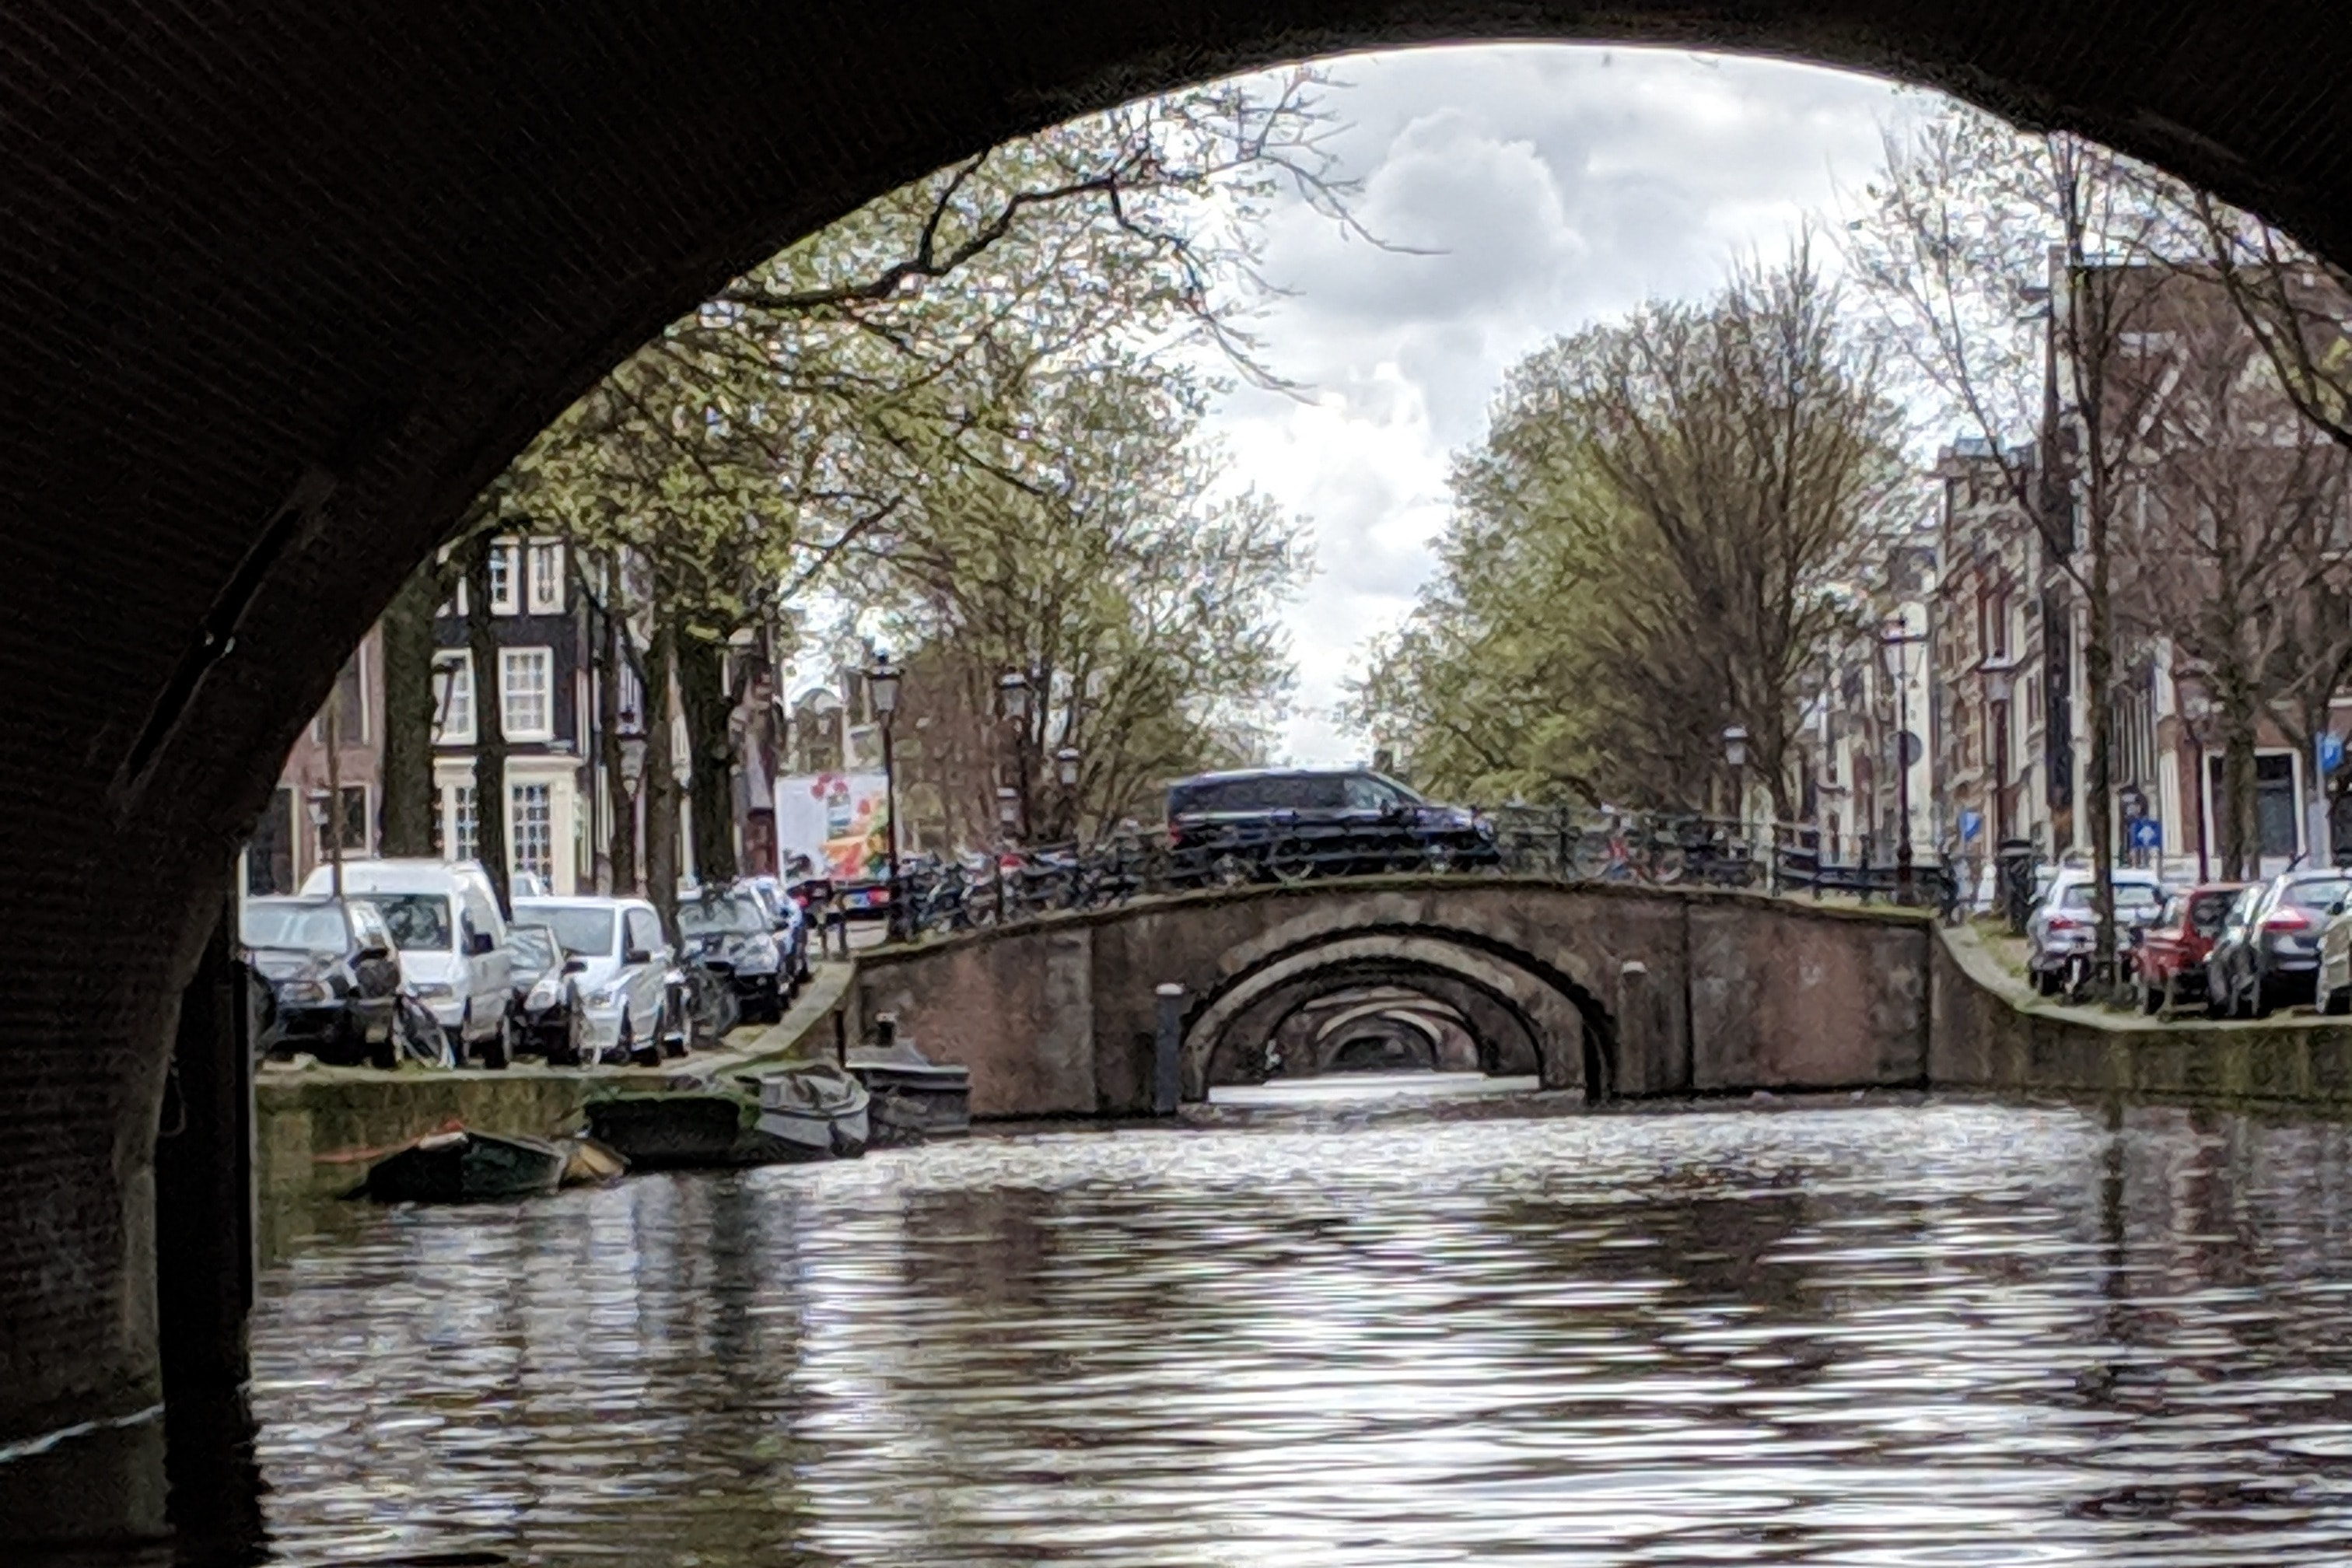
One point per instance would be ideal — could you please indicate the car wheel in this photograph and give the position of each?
(2045, 982)
(2260, 1001)
(2338, 1000)
(499, 1049)
(2151, 1000)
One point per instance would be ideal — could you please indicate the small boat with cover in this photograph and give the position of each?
(816, 1110)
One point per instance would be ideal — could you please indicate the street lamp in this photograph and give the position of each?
(1894, 639)
(1065, 774)
(1013, 696)
(882, 691)
(1734, 753)
(2195, 694)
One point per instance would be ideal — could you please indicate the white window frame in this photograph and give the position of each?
(509, 658)
(462, 662)
(543, 580)
(504, 571)
(515, 793)
(453, 810)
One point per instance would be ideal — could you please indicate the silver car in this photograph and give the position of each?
(616, 963)
(2063, 928)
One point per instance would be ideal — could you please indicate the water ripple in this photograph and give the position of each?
(1899, 1336)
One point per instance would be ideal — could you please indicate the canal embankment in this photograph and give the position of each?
(1989, 1033)
(317, 1129)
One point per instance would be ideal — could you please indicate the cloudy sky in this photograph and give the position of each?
(1550, 187)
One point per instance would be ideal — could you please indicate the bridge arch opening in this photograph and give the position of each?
(1291, 1011)
(269, 352)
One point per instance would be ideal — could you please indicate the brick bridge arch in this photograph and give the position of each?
(287, 283)
(1729, 992)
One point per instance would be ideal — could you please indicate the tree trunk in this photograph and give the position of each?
(489, 726)
(2098, 793)
(710, 754)
(621, 816)
(409, 806)
(660, 783)
(2240, 811)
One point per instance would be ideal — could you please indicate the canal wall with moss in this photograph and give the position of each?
(1988, 1032)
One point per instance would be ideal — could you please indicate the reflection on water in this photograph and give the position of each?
(1859, 1336)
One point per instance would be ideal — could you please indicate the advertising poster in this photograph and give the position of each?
(838, 823)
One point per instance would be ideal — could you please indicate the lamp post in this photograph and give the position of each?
(1013, 696)
(322, 821)
(1735, 754)
(1894, 638)
(2196, 699)
(1065, 774)
(882, 689)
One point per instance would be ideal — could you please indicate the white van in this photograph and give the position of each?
(453, 943)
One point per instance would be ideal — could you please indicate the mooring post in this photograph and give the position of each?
(1167, 1065)
(1635, 1044)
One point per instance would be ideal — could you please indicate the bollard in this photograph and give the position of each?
(1633, 1041)
(1167, 1066)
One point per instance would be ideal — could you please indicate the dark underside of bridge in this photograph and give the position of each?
(284, 283)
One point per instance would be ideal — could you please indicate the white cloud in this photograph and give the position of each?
(1550, 187)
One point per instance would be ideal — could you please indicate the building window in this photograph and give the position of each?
(545, 582)
(533, 835)
(452, 698)
(504, 599)
(527, 684)
(463, 840)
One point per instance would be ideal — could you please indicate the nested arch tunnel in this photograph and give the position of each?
(1525, 1017)
(286, 284)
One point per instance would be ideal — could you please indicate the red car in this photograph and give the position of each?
(2169, 967)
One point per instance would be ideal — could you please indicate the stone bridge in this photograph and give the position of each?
(1604, 989)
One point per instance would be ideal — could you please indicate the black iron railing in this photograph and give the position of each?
(1562, 844)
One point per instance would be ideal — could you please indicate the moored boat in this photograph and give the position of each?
(816, 1111)
(460, 1165)
(674, 1131)
(914, 1097)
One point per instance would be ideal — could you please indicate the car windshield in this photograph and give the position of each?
(585, 932)
(2133, 900)
(318, 928)
(738, 913)
(419, 921)
(534, 950)
(2321, 894)
(2208, 911)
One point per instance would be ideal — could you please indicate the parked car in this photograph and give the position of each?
(729, 932)
(334, 981)
(792, 925)
(542, 989)
(451, 939)
(615, 966)
(2169, 968)
(2267, 954)
(1287, 823)
(2062, 931)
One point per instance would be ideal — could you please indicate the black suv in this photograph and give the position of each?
(1289, 823)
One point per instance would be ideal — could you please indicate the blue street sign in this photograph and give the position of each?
(1972, 824)
(2331, 751)
(2146, 833)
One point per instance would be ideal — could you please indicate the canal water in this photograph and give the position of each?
(1936, 1334)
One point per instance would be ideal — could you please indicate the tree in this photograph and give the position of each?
(1969, 221)
(789, 423)
(1643, 552)
(1090, 559)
